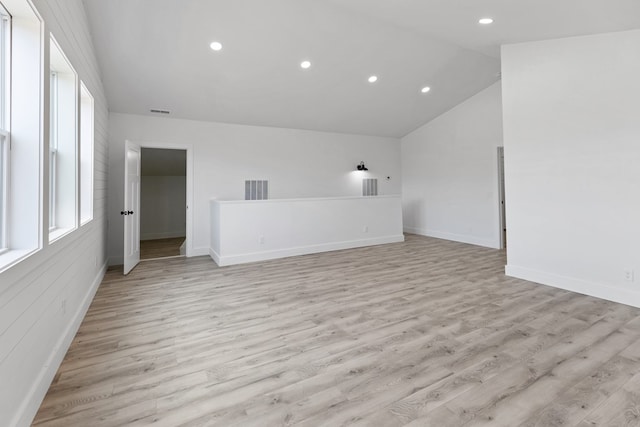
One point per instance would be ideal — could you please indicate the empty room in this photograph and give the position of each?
(319, 213)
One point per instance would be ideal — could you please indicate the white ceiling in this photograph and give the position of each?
(515, 21)
(155, 54)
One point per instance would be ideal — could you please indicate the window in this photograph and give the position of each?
(63, 158)
(4, 188)
(53, 147)
(5, 33)
(86, 155)
(21, 144)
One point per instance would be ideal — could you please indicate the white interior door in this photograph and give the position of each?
(131, 207)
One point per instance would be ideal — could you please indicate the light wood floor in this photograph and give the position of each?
(160, 248)
(421, 333)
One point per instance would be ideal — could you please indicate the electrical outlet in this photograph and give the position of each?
(95, 261)
(365, 229)
(63, 306)
(261, 240)
(628, 275)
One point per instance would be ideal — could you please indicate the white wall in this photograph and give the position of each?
(256, 230)
(572, 154)
(162, 207)
(450, 173)
(297, 163)
(44, 298)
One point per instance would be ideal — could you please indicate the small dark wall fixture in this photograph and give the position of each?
(361, 167)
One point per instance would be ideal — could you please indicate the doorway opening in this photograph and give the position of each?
(502, 199)
(163, 203)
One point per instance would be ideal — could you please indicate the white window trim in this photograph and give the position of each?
(87, 151)
(5, 52)
(24, 81)
(64, 143)
(5, 137)
(53, 148)
(4, 188)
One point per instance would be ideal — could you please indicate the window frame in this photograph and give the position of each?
(5, 153)
(87, 149)
(64, 143)
(5, 134)
(53, 147)
(25, 80)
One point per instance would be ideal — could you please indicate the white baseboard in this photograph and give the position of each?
(28, 409)
(581, 286)
(462, 238)
(162, 235)
(199, 252)
(304, 250)
(214, 256)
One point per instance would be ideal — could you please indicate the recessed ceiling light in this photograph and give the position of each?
(485, 21)
(425, 89)
(305, 64)
(373, 79)
(216, 46)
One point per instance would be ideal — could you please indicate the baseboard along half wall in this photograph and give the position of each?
(305, 250)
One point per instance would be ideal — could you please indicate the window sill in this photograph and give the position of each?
(11, 257)
(58, 233)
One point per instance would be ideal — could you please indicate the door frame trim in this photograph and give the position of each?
(502, 209)
(189, 218)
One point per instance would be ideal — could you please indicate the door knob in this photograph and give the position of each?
(124, 213)
(130, 212)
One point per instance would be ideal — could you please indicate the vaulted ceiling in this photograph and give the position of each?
(155, 54)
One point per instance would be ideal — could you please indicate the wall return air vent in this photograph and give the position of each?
(370, 187)
(158, 111)
(256, 189)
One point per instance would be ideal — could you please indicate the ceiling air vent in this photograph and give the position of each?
(160, 111)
